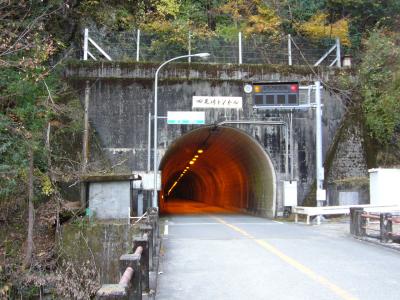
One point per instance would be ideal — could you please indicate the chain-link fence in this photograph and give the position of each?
(256, 49)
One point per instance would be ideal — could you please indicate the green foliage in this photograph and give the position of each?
(296, 10)
(28, 88)
(380, 85)
(364, 15)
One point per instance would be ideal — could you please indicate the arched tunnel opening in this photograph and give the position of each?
(220, 167)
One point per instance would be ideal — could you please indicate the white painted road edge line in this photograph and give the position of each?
(166, 230)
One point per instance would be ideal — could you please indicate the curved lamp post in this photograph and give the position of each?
(155, 167)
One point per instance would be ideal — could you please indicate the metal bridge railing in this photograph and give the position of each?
(384, 226)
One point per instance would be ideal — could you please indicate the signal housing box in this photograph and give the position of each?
(275, 94)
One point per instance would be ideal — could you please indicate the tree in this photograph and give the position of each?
(364, 15)
(318, 28)
(380, 86)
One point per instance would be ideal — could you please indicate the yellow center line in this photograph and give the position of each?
(294, 263)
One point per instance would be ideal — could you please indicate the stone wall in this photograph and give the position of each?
(99, 243)
(347, 172)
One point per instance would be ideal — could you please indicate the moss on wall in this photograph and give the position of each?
(100, 243)
(245, 71)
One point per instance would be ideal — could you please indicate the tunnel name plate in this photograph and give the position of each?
(217, 102)
(186, 117)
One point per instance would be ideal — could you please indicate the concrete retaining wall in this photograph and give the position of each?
(121, 98)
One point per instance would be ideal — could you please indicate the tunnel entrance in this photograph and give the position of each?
(220, 168)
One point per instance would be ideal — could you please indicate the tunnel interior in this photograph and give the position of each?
(219, 166)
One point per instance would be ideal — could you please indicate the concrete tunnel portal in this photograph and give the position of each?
(219, 166)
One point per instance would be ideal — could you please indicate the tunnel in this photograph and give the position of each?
(219, 166)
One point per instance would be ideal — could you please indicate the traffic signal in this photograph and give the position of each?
(276, 94)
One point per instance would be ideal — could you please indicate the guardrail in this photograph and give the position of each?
(135, 268)
(384, 226)
(337, 210)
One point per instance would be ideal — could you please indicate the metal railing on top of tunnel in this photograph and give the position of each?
(255, 49)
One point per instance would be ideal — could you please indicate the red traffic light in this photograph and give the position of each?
(294, 88)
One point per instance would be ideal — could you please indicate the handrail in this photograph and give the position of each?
(139, 250)
(126, 277)
(383, 229)
(141, 217)
(136, 266)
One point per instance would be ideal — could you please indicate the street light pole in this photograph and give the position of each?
(155, 165)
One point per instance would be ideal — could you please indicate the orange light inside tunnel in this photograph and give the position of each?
(172, 187)
(228, 177)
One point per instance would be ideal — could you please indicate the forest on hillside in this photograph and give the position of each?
(41, 118)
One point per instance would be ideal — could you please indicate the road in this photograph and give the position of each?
(229, 256)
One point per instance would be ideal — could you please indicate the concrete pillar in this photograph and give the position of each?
(386, 227)
(112, 292)
(356, 221)
(133, 261)
(144, 260)
(147, 229)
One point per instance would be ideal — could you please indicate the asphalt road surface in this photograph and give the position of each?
(219, 255)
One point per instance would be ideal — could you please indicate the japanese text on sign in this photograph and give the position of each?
(217, 102)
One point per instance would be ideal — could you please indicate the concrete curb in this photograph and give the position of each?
(154, 274)
(393, 246)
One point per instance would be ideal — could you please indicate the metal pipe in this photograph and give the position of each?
(291, 147)
(325, 55)
(155, 166)
(189, 48)
(318, 144)
(149, 144)
(338, 54)
(126, 277)
(286, 153)
(139, 250)
(100, 49)
(240, 48)
(290, 49)
(252, 122)
(85, 44)
(137, 44)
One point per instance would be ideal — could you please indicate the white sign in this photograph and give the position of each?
(290, 193)
(248, 88)
(186, 117)
(217, 102)
(321, 195)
